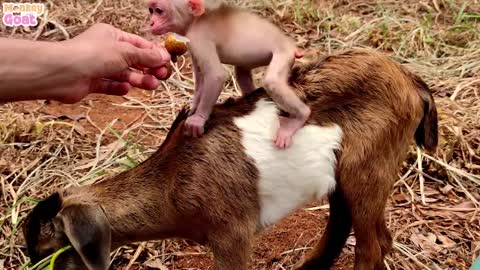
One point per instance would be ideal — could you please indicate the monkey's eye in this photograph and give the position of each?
(159, 11)
(150, 10)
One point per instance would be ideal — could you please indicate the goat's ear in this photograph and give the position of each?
(41, 216)
(88, 230)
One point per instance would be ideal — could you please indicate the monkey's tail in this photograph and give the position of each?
(426, 135)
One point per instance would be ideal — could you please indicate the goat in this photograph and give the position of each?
(223, 188)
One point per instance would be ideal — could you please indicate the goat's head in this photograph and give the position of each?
(77, 220)
(53, 225)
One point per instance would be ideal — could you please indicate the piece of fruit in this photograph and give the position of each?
(176, 45)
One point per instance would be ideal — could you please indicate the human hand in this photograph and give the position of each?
(194, 125)
(104, 59)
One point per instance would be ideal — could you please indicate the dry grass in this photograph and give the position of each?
(434, 208)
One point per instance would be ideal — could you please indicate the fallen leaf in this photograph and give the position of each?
(432, 237)
(73, 117)
(476, 195)
(416, 240)
(430, 200)
(446, 189)
(400, 198)
(79, 129)
(430, 191)
(64, 113)
(468, 204)
(426, 243)
(460, 214)
(446, 242)
(157, 264)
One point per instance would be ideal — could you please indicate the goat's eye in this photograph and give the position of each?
(150, 10)
(159, 11)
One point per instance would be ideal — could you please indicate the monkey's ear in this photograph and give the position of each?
(88, 230)
(197, 7)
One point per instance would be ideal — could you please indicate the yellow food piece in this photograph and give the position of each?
(175, 45)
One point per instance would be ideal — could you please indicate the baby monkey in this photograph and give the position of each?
(224, 34)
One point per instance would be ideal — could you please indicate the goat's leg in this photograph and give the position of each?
(360, 203)
(373, 240)
(231, 249)
(334, 237)
(384, 236)
(368, 252)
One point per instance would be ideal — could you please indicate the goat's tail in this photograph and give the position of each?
(426, 135)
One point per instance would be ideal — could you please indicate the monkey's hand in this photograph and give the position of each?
(194, 125)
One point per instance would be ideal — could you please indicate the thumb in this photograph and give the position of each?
(145, 57)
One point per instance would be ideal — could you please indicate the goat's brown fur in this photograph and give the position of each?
(205, 189)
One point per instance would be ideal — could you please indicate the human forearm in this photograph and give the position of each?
(103, 59)
(31, 69)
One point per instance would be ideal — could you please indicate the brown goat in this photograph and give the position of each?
(224, 187)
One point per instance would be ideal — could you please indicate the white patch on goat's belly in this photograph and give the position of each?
(291, 177)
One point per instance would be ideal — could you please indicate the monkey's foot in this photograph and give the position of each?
(194, 126)
(288, 127)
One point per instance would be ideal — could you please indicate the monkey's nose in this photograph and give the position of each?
(152, 24)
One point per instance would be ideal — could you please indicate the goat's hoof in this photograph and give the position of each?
(306, 267)
(300, 265)
(304, 264)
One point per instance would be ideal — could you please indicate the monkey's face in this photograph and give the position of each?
(162, 17)
(169, 16)
(159, 20)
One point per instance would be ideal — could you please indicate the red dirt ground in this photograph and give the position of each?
(294, 235)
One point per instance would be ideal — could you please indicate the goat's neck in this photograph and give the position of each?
(137, 205)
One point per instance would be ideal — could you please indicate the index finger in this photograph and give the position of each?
(135, 40)
(149, 58)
